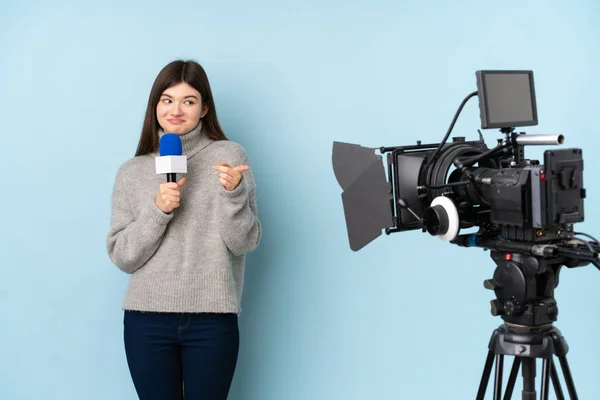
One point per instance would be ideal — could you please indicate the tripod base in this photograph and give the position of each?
(527, 344)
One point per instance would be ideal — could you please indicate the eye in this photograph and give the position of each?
(190, 102)
(166, 101)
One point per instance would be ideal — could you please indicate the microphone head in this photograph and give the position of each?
(170, 145)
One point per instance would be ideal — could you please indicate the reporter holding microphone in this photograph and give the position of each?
(183, 242)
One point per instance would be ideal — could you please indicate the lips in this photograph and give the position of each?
(176, 121)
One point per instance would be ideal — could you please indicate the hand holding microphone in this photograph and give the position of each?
(169, 196)
(170, 161)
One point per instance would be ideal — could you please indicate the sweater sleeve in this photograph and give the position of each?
(131, 241)
(239, 225)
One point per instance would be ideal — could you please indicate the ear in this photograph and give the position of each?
(204, 111)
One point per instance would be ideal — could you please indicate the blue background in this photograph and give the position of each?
(406, 317)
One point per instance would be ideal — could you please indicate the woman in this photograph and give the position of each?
(184, 244)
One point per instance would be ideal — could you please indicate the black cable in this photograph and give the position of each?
(447, 185)
(589, 246)
(587, 243)
(436, 152)
(589, 236)
(468, 162)
(437, 175)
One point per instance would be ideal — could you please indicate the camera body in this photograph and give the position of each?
(507, 196)
(497, 189)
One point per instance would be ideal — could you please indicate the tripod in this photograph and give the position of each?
(527, 344)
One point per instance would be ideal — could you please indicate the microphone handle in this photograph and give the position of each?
(171, 177)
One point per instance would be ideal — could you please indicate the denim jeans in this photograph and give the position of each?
(171, 354)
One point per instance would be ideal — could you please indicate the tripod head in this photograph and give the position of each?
(526, 275)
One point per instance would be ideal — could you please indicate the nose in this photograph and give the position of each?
(176, 109)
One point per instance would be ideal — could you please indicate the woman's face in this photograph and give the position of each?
(179, 109)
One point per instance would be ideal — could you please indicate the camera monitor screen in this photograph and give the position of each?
(506, 99)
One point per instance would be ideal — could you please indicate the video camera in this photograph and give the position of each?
(524, 213)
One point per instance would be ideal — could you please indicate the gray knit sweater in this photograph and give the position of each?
(191, 260)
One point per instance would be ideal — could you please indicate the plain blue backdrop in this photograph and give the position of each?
(406, 317)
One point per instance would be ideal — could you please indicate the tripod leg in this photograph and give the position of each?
(556, 383)
(485, 377)
(498, 377)
(545, 378)
(529, 392)
(512, 378)
(568, 378)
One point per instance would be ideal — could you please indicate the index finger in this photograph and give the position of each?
(226, 170)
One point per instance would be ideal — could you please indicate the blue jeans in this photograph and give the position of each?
(172, 354)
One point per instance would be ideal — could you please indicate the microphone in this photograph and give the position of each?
(171, 160)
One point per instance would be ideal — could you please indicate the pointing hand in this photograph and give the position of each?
(230, 176)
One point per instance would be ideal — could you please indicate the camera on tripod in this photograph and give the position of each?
(524, 212)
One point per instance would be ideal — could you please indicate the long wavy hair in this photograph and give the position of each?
(172, 74)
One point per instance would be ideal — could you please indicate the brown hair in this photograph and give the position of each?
(172, 74)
